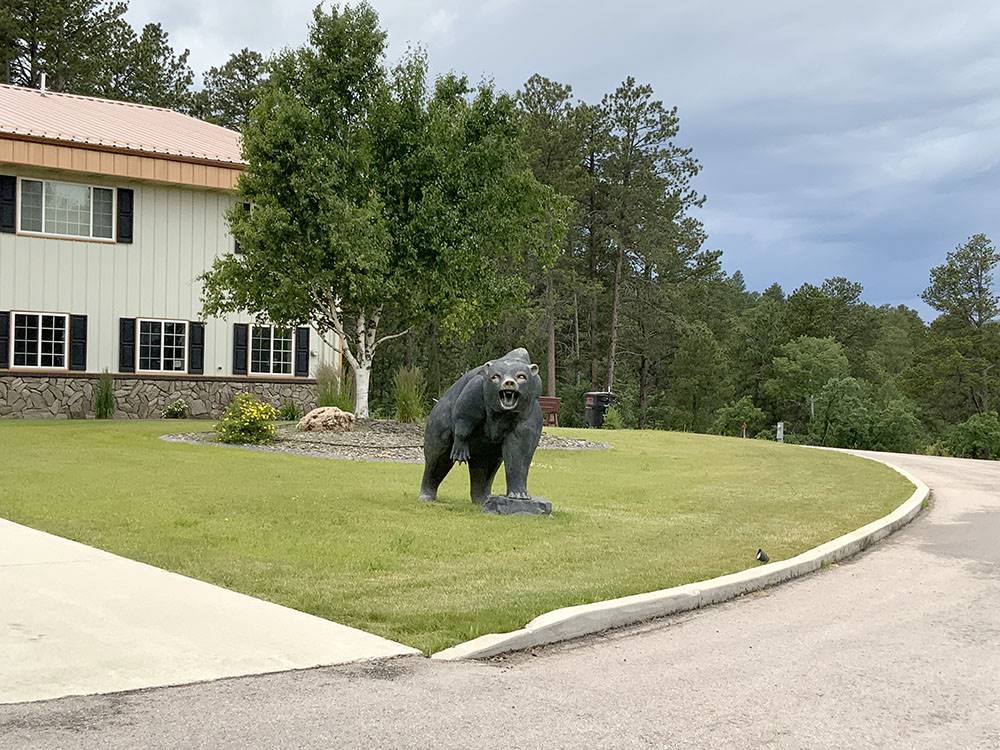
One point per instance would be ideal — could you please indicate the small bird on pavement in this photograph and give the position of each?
(762, 556)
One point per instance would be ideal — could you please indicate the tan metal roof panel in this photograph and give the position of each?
(55, 116)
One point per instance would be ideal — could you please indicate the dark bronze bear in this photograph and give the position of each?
(490, 415)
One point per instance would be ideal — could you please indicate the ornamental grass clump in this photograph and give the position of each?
(104, 397)
(247, 420)
(332, 389)
(409, 394)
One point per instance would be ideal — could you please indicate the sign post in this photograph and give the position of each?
(781, 432)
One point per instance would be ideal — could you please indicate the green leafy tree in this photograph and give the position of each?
(896, 427)
(376, 197)
(976, 437)
(231, 90)
(843, 414)
(804, 367)
(738, 416)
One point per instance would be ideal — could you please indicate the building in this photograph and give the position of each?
(109, 213)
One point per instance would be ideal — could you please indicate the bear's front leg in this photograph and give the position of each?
(460, 441)
(518, 449)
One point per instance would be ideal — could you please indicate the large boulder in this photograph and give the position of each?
(327, 419)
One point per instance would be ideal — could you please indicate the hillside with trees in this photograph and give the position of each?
(628, 295)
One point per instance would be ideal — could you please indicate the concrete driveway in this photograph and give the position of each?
(76, 620)
(900, 648)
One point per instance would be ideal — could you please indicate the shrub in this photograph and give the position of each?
(289, 412)
(976, 437)
(176, 410)
(613, 419)
(333, 390)
(409, 394)
(104, 397)
(247, 420)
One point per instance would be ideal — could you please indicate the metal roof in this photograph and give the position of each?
(87, 120)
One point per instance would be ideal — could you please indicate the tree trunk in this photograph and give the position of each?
(550, 362)
(615, 304)
(362, 381)
(643, 390)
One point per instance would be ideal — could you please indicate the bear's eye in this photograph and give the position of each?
(522, 376)
(495, 377)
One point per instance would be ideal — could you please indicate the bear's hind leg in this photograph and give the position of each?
(436, 468)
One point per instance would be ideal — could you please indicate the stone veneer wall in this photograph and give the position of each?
(72, 396)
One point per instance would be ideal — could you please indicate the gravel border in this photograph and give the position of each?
(376, 440)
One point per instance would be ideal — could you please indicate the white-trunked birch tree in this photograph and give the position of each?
(376, 197)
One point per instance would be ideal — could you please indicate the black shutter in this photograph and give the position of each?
(126, 345)
(196, 348)
(8, 204)
(126, 204)
(4, 340)
(78, 342)
(302, 352)
(241, 334)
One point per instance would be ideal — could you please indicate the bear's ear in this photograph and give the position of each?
(488, 365)
(534, 369)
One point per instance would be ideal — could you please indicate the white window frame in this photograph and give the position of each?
(138, 345)
(38, 314)
(91, 238)
(270, 352)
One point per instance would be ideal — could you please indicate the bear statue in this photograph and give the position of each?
(490, 415)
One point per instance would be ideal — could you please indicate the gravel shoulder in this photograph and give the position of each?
(370, 440)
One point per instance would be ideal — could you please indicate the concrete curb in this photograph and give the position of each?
(586, 619)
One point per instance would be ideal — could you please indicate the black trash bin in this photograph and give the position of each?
(595, 406)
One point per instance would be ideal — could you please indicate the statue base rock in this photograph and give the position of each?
(502, 505)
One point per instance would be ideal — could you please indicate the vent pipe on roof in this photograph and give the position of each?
(41, 82)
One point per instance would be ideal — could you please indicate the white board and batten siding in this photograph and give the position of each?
(177, 234)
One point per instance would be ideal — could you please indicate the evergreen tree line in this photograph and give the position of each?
(635, 302)
(88, 47)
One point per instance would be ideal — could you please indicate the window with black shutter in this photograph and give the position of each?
(241, 332)
(8, 204)
(302, 352)
(196, 348)
(4, 340)
(126, 345)
(126, 213)
(78, 342)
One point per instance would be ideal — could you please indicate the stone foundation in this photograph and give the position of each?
(72, 396)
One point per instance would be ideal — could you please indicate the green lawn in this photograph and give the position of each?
(349, 541)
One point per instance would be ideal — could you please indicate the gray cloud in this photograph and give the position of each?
(850, 138)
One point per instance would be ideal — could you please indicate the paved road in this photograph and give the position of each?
(899, 648)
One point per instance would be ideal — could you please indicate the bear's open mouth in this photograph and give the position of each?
(508, 399)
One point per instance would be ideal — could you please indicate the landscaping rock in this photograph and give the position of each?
(327, 419)
(502, 505)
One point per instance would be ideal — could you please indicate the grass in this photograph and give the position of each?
(349, 541)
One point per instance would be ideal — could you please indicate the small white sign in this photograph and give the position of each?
(781, 432)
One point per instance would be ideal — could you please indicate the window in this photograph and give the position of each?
(39, 340)
(66, 209)
(271, 350)
(162, 345)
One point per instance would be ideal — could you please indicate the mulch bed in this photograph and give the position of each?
(370, 440)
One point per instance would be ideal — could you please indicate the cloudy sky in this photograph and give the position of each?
(852, 138)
